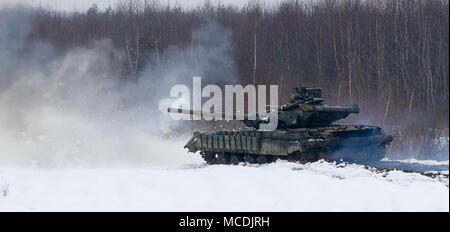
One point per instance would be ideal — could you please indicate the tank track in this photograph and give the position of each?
(374, 153)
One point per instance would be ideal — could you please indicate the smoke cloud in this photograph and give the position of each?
(75, 109)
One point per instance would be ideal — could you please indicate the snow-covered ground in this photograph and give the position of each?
(193, 186)
(416, 161)
(148, 173)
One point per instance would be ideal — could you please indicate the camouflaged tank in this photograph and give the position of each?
(305, 133)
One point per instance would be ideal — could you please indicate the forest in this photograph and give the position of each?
(389, 56)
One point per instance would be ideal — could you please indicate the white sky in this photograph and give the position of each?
(82, 5)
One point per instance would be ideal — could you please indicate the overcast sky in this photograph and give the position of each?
(69, 5)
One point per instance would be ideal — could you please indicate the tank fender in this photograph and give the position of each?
(387, 139)
(191, 145)
(321, 144)
(368, 140)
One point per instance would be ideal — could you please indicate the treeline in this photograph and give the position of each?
(389, 56)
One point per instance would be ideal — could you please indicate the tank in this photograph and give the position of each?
(306, 132)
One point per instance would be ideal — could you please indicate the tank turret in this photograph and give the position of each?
(306, 109)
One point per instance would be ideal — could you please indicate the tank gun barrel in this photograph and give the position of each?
(246, 117)
(183, 111)
(342, 109)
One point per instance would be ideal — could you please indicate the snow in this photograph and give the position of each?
(416, 161)
(194, 186)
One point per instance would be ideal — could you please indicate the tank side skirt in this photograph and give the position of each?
(295, 144)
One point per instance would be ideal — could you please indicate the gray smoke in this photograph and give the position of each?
(74, 109)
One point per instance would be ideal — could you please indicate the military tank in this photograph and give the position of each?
(305, 133)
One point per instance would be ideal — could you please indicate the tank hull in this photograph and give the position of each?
(333, 142)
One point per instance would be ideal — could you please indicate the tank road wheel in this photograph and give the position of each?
(303, 157)
(249, 159)
(235, 159)
(261, 159)
(274, 158)
(324, 155)
(309, 157)
(294, 157)
(221, 159)
(209, 157)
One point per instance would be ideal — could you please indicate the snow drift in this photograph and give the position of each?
(281, 186)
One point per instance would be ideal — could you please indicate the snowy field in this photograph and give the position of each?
(193, 186)
(94, 166)
(416, 161)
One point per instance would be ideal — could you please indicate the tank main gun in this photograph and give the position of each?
(250, 120)
(305, 109)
